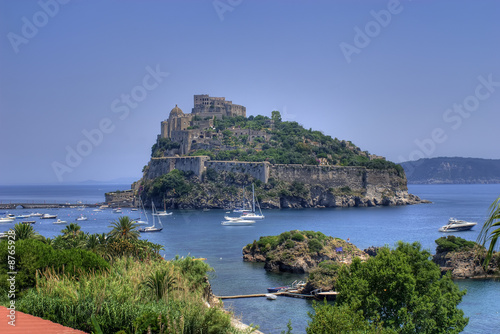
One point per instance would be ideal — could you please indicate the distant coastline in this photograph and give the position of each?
(452, 170)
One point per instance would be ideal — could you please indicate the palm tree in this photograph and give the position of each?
(25, 231)
(124, 228)
(160, 283)
(490, 231)
(71, 231)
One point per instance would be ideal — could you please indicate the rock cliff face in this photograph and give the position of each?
(288, 186)
(467, 264)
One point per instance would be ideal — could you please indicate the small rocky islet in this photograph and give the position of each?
(319, 256)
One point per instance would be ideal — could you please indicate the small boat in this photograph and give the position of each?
(23, 216)
(134, 209)
(48, 216)
(11, 216)
(82, 217)
(163, 213)
(28, 222)
(270, 296)
(238, 222)
(153, 228)
(59, 221)
(97, 210)
(81, 208)
(6, 220)
(117, 210)
(277, 289)
(455, 225)
(38, 214)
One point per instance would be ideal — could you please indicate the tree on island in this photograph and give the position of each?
(401, 290)
(490, 231)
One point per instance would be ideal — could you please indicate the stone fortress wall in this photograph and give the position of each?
(356, 178)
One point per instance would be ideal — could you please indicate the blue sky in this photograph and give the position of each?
(84, 85)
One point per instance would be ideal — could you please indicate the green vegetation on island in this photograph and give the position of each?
(289, 143)
(110, 283)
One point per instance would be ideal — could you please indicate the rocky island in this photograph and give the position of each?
(210, 157)
(321, 257)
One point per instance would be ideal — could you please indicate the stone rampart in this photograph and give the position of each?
(159, 166)
(259, 170)
(328, 176)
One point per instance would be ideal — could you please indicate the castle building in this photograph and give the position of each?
(196, 130)
(206, 106)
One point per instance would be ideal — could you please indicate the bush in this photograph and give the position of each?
(452, 243)
(289, 244)
(297, 236)
(315, 245)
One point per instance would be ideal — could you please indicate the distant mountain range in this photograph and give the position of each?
(452, 170)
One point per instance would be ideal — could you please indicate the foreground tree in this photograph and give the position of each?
(401, 289)
(25, 231)
(490, 231)
(124, 229)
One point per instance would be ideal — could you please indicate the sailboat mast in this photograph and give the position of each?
(253, 199)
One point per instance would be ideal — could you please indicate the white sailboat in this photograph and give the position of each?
(164, 212)
(253, 215)
(139, 220)
(153, 228)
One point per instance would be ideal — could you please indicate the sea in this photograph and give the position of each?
(200, 234)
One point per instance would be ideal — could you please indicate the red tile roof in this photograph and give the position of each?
(27, 324)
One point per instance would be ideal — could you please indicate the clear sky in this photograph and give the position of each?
(84, 85)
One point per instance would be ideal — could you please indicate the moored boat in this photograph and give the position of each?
(456, 225)
(238, 222)
(48, 216)
(153, 228)
(59, 221)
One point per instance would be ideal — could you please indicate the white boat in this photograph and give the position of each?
(59, 221)
(139, 220)
(270, 296)
(253, 215)
(10, 216)
(23, 216)
(48, 216)
(81, 208)
(238, 222)
(82, 217)
(134, 209)
(117, 210)
(164, 212)
(6, 220)
(97, 210)
(455, 225)
(153, 228)
(38, 214)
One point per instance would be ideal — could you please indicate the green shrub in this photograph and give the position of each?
(289, 243)
(315, 245)
(297, 236)
(452, 243)
(284, 236)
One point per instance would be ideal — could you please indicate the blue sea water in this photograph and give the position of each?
(200, 234)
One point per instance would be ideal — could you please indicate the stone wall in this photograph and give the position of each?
(159, 166)
(328, 176)
(259, 170)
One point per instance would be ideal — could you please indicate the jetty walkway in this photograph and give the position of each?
(11, 206)
(320, 295)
